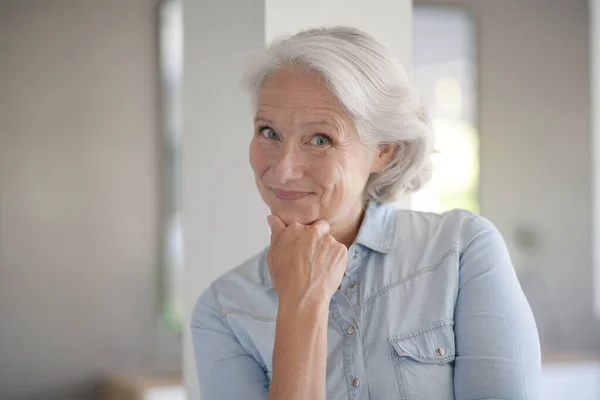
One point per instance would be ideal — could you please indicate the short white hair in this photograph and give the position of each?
(375, 90)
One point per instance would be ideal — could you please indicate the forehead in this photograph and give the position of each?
(289, 92)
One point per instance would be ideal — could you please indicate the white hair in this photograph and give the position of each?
(375, 90)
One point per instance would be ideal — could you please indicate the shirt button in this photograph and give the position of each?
(441, 352)
(353, 284)
(356, 382)
(355, 254)
(350, 330)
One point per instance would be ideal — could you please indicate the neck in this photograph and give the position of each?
(346, 229)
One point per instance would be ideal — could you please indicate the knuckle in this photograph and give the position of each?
(314, 229)
(329, 240)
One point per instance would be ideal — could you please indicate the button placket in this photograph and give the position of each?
(354, 368)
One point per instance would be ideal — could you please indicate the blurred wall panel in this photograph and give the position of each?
(79, 228)
(535, 136)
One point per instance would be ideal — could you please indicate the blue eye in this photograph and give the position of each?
(268, 133)
(320, 140)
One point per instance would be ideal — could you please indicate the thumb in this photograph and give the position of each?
(277, 226)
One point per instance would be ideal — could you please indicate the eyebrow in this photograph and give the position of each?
(263, 119)
(320, 122)
(310, 123)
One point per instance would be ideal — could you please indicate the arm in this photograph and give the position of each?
(497, 344)
(300, 353)
(306, 266)
(225, 369)
(304, 286)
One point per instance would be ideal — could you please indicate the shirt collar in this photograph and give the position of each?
(377, 232)
(378, 228)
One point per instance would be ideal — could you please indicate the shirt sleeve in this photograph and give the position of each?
(497, 343)
(225, 369)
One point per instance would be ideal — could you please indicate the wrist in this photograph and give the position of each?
(308, 307)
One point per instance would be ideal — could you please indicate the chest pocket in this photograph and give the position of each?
(424, 362)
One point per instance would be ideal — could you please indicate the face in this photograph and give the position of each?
(308, 160)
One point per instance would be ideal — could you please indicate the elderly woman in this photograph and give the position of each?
(354, 298)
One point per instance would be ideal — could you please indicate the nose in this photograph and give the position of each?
(288, 166)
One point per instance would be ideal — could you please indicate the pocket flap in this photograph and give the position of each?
(432, 344)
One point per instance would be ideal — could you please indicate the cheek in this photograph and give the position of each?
(344, 173)
(324, 172)
(258, 158)
(330, 173)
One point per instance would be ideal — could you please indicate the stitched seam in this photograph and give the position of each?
(339, 328)
(256, 317)
(360, 341)
(220, 307)
(435, 325)
(399, 375)
(405, 279)
(462, 233)
(349, 388)
(224, 316)
(428, 213)
(364, 362)
(388, 244)
(394, 339)
(428, 360)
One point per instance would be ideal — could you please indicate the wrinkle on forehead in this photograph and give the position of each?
(299, 99)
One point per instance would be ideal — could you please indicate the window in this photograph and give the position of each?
(445, 71)
(171, 49)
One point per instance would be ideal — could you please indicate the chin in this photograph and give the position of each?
(290, 213)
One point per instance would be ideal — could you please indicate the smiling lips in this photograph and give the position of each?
(290, 195)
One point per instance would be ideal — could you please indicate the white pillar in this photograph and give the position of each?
(224, 219)
(594, 14)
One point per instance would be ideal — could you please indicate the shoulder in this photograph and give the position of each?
(249, 275)
(474, 239)
(431, 237)
(236, 290)
(453, 229)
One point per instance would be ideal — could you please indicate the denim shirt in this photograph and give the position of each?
(430, 308)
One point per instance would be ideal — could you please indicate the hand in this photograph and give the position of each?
(305, 262)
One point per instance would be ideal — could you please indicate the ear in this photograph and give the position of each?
(383, 155)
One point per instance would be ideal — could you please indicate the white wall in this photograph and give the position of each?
(384, 19)
(223, 216)
(535, 155)
(78, 196)
(224, 220)
(594, 20)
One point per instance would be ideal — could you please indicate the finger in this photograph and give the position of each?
(323, 226)
(277, 226)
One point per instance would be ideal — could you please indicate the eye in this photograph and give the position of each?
(268, 133)
(320, 140)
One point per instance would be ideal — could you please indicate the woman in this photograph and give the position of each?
(354, 299)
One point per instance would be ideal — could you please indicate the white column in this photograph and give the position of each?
(224, 219)
(594, 13)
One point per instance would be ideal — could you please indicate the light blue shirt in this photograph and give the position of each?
(430, 309)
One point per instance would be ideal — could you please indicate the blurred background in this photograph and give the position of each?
(109, 136)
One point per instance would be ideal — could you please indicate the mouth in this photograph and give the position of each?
(287, 195)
